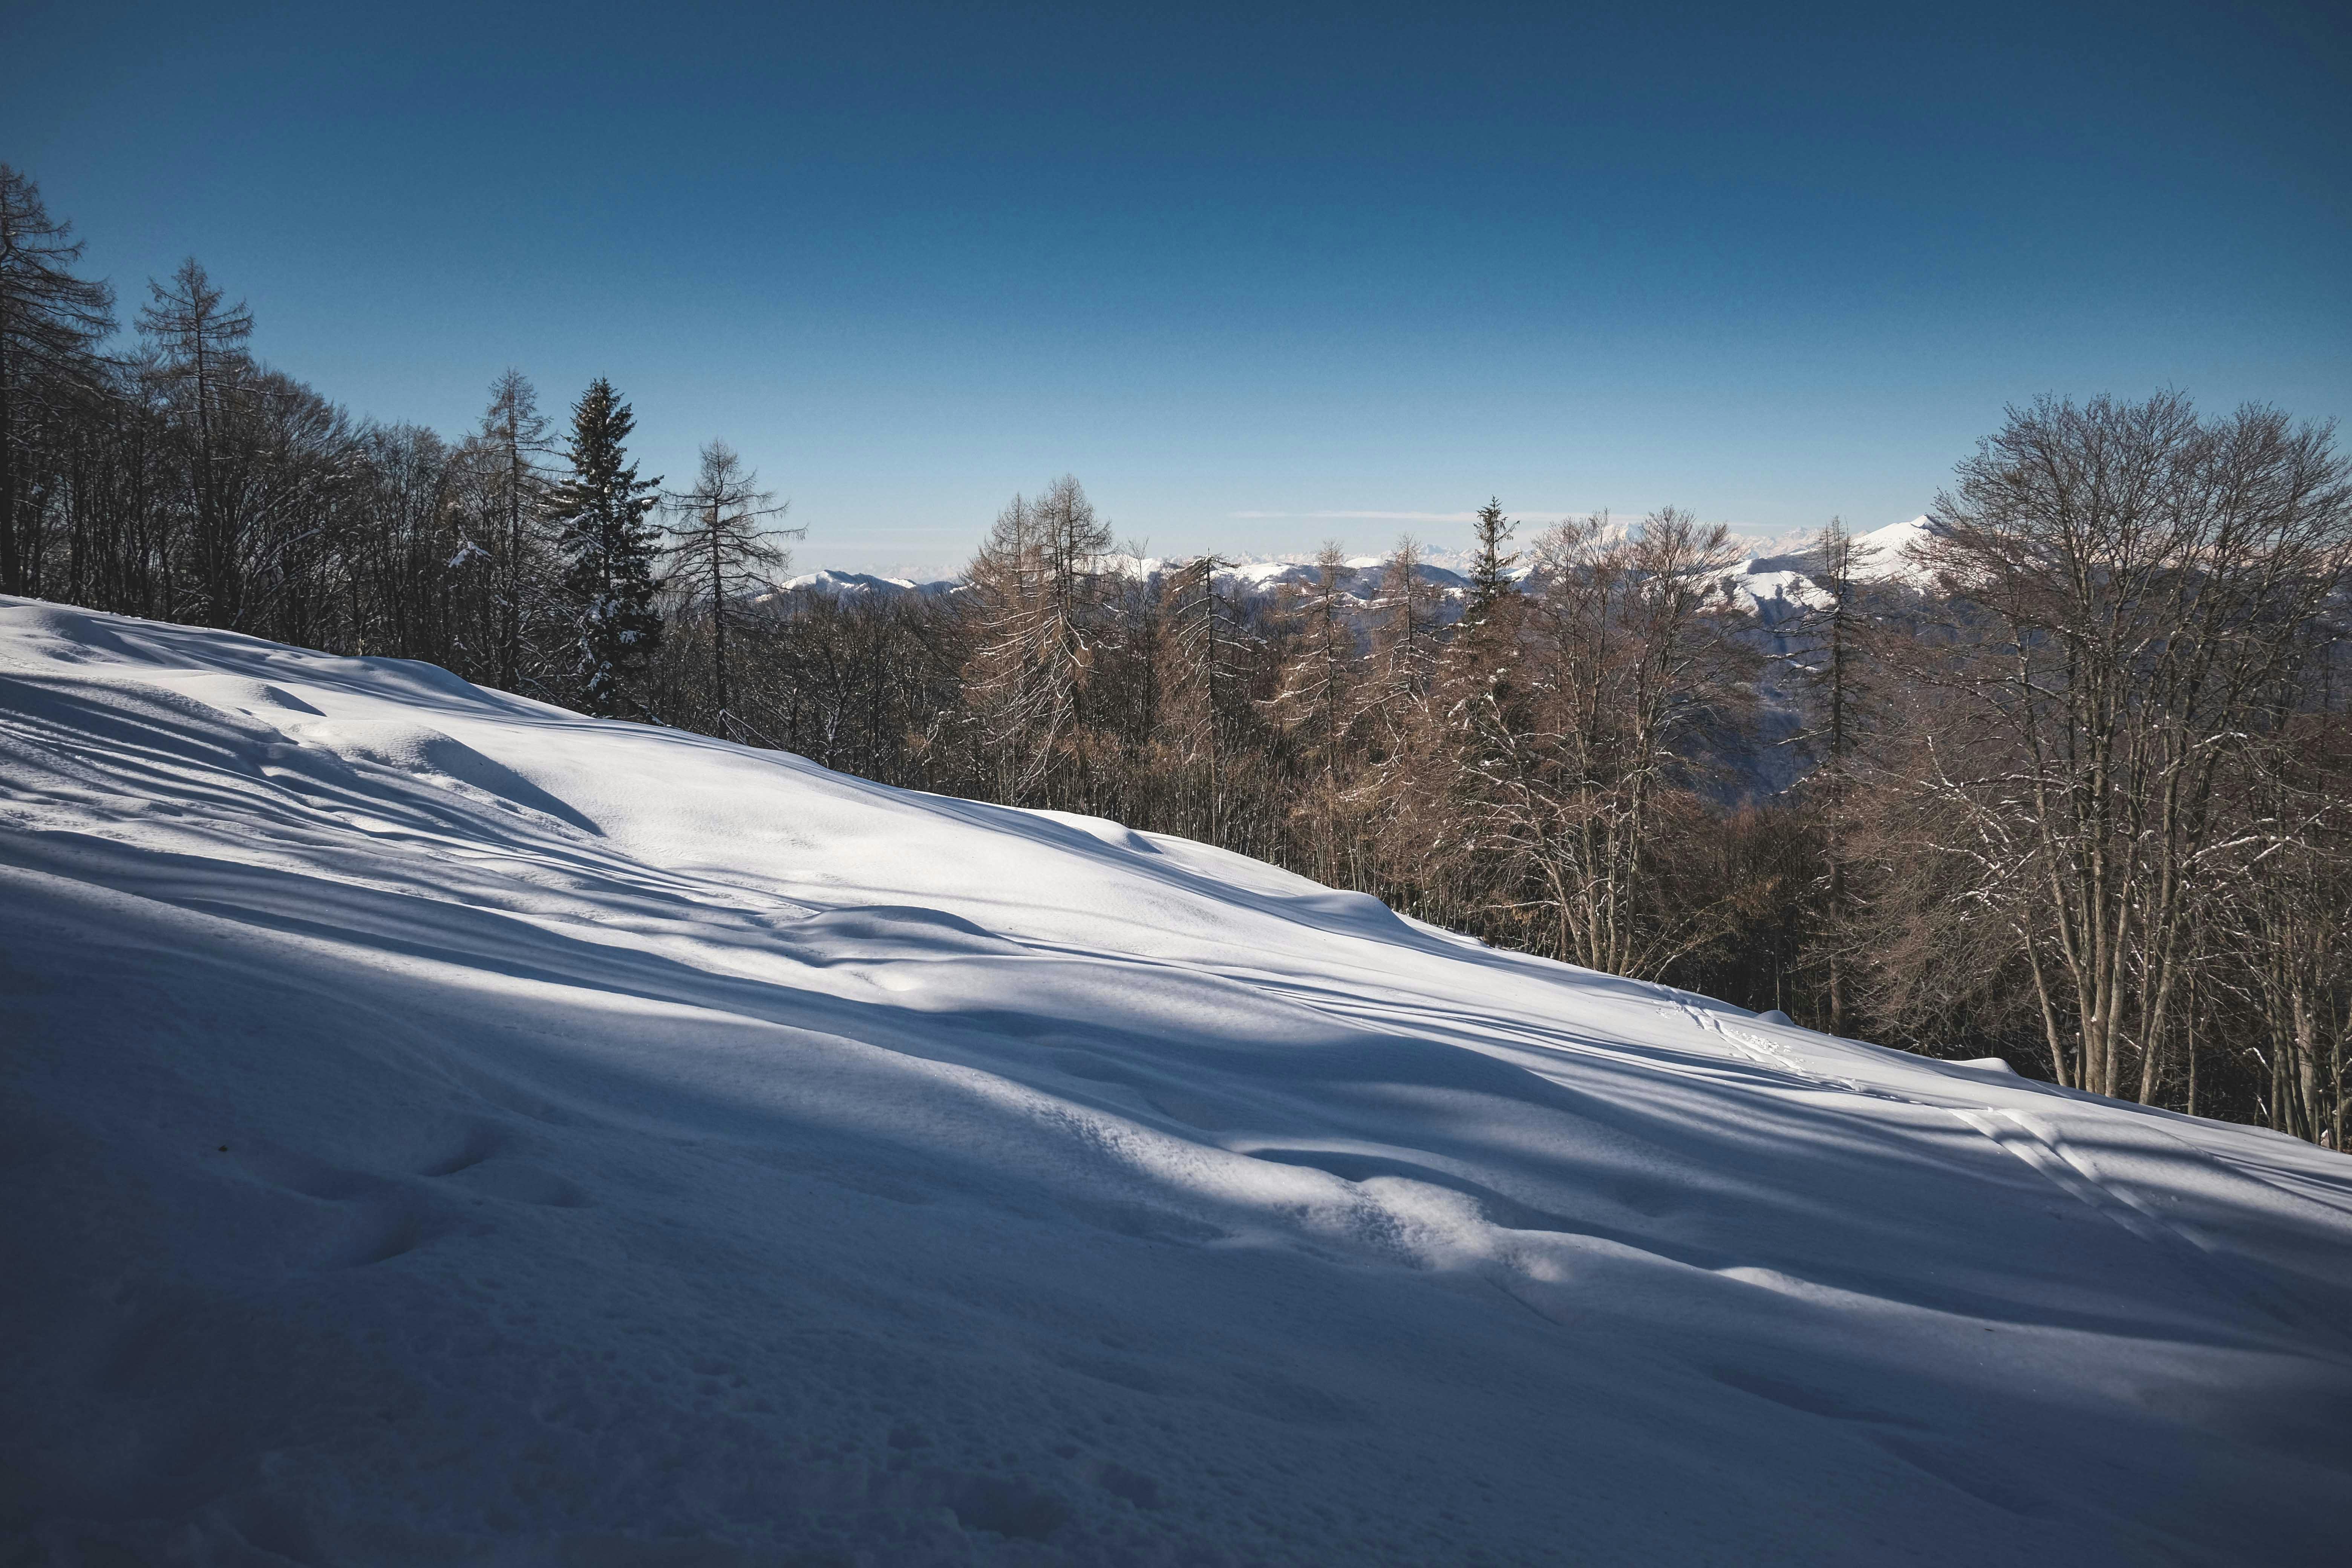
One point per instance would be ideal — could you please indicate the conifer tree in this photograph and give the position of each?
(725, 548)
(1490, 568)
(513, 436)
(1318, 702)
(608, 548)
(1837, 674)
(1404, 639)
(1483, 647)
(1036, 614)
(1214, 648)
(199, 342)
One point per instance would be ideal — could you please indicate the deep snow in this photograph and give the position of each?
(440, 1128)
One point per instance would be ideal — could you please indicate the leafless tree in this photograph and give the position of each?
(2284, 914)
(1575, 776)
(1317, 701)
(1036, 597)
(51, 325)
(723, 549)
(199, 342)
(1212, 652)
(1404, 640)
(504, 456)
(2140, 588)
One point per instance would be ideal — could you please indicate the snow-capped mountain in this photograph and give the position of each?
(442, 1127)
(1776, 583)
(828, 581)
(1891, 553)
(1359, 581)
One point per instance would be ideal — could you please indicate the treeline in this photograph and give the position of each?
(2075, 773)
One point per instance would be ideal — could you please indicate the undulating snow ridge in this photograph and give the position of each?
(440, 1128)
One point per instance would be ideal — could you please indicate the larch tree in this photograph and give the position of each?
(1200, 632)
(610, 549)
(512, 437)
(199, 344)
(724, 548)
(1036, 630)
(51, 325)
(1404, 638)
(1317, 703)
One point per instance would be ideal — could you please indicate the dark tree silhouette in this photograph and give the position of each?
(609, 549)
(51, 325)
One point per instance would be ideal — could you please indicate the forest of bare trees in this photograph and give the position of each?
(2072, 776)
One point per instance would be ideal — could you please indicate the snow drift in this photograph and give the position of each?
(442, 1127)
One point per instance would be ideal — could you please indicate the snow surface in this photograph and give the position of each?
(443, 1128)
(1778, 583)
(1889, 553)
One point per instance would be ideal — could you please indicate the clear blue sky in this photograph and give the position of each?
(1235, 268)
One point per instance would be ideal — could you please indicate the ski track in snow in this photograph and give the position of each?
(442, 1127)
(2037, 1143)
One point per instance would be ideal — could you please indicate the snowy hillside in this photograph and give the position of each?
(443, 1128)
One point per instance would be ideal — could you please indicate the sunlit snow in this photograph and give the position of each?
(440, 1128)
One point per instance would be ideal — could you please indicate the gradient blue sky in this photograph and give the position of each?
(1246, 272)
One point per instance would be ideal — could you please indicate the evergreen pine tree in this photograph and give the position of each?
(1490, 571)
(608, 548)
(1839, 626)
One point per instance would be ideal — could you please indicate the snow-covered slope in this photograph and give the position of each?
(1889, 553)
(1778, 584)
(442, 1129)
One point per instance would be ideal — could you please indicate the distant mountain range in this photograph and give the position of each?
(1776, 583)
(828, 581)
